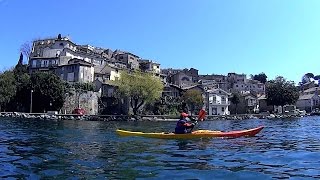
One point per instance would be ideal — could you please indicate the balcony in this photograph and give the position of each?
(222, 103)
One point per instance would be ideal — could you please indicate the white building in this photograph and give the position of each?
(217, 102)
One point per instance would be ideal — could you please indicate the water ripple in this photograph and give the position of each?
(31, 149)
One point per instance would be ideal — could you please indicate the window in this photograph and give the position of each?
(185, 79)
(222, 109)
(45, 63)
(34, 63)
(70, 77)
(214, 99)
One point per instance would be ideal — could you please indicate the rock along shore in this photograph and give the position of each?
(44, 116)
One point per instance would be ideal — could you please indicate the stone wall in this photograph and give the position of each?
(87, 101)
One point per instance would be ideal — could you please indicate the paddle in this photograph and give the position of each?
(201, 116)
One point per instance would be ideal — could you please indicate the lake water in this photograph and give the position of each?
(39, 149)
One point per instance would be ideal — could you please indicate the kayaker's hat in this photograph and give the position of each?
(184, 114)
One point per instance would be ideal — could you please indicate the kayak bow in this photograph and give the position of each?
(194, 134)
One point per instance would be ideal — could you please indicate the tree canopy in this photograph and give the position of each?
(48, 91)
(235, 99)
(317, 77)
(7, 88)
(193, 100)
(280, 92)
(262, 77)
(140, 88)
(306, 78)
(309, 75)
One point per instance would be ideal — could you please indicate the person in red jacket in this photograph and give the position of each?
(183, 125)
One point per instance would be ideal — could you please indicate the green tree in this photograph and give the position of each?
(317, 77)
(140, 88)
(309, 75)
(306, 78)
(262, 77)
(235, 99)
(7, 88)
(48, 91)
(280, 92)
(193, 99)
(21, 101)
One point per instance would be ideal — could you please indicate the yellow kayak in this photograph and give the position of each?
(194, 134)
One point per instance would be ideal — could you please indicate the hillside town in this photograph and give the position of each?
(101, 66)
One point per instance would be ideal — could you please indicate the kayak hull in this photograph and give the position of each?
(194, 134)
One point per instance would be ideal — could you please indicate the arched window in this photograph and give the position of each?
(185, 79)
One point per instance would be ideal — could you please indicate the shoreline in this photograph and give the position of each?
(46, 116)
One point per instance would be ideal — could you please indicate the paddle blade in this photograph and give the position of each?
(202, 115)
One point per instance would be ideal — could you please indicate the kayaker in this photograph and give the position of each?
(183, 125)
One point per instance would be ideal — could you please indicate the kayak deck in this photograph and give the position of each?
(194, 134)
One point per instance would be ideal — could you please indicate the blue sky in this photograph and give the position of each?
(278, 37)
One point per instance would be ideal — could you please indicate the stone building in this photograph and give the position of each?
(248, 86)
(76, 70)
(214, 81)
(127, 58)
(181, 79)
(82, 64)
